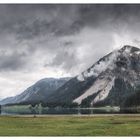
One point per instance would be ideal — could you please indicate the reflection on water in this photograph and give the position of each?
(60, 111)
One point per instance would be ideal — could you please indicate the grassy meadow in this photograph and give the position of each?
(117, 125)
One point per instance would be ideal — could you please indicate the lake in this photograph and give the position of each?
(58, 111)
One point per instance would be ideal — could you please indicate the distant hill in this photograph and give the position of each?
(38, 92)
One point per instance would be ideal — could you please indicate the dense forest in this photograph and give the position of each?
(132, 103)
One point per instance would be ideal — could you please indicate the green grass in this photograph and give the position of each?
(70, 126)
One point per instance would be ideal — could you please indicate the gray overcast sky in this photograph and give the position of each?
(38, 41)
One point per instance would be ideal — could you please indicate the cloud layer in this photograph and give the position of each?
(44, 40)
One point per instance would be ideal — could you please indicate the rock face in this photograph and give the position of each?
(38, 92)
(108, 82)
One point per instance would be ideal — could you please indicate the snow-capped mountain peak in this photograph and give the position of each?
(108, 62)
(121, 64)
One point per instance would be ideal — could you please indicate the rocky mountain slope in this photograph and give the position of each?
(108, 82)
(38, 92)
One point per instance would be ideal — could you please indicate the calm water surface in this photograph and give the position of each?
(61, 111)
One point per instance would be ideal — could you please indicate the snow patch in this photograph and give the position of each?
(138, 52)
(80, 77)
(127, 49)
(99, 67)
(123, 69)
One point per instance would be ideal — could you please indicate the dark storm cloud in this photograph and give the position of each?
(42, 29)
(32, 20)
(95, 15)
(28, 21)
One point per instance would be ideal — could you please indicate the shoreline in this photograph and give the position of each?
(72, 115)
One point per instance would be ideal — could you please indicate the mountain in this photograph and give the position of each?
(38, 92)
(108, 82)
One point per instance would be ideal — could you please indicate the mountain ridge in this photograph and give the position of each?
(120, 66)
(37, 92)
(109, 81)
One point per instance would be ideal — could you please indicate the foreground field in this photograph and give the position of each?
(70, 126)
